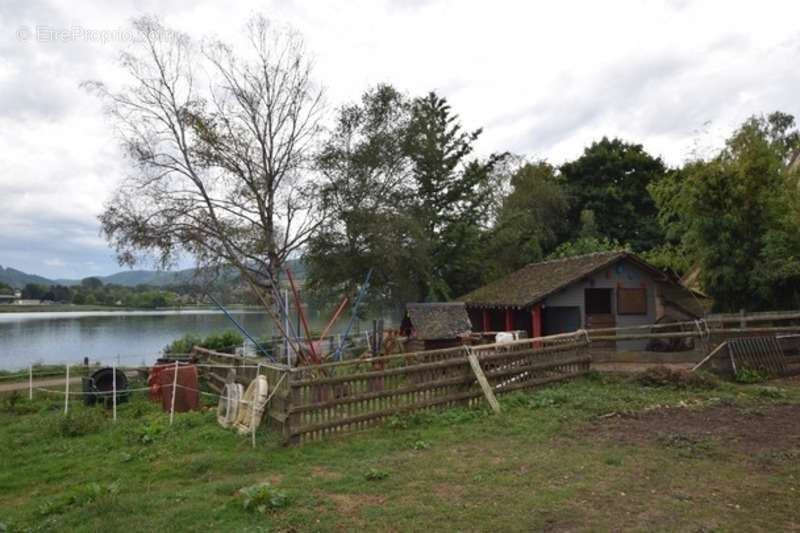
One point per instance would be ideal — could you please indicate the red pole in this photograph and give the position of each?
(536, 321)
(333, 320)
(509, 319)
(487, 321)
(300, 312)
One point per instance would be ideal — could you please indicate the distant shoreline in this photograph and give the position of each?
(66, 308)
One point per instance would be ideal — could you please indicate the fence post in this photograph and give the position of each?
(30, 382)
(253, 410)
(114, 389)
(66, 392)
(174, 388)
(293, 401)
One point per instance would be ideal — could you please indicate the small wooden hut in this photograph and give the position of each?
(429, 326)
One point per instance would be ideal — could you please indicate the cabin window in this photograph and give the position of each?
(597, 301)
(632, 301)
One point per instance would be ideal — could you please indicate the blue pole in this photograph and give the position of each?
(360, 296)
(240, 327)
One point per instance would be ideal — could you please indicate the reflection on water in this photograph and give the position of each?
(132, 337)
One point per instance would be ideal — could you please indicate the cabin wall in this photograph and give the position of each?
(620, 275)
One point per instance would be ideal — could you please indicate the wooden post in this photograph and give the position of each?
(114, 390)
(487, 320)
(253, 410)
(484, 383)
(509, 319)
(293, 420)
(66, 392)
(174, 388)
(536, 321)
(30, 382)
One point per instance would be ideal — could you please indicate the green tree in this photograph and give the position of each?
(407, 199)
(611, 179)
(735, 215)
(34, 291)
(529, 221)
(91, 283)
(451, 197)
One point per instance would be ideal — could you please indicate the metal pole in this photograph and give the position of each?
(286, 326)
(174, 388)
(114, 390)
(361, 293)
(239, 326)
(66, 392)
(30, 382)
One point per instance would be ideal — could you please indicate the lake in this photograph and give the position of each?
(130, 337)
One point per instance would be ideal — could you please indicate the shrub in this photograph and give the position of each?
(746, 375)
(661, 376)
(262, 497)
(225, 342)
(81, 422)
(374, 474)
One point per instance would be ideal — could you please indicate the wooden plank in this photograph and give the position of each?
(709, 356)
(368, 416)
(431, 366)
(484, 383)
(425, 386)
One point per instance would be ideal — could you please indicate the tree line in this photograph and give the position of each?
(238, 164)
(92, 291)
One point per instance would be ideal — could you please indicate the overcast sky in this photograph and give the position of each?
(542, 80)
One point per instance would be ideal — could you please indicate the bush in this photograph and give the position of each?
(661, 376)
(225, 342)
(746, 375)
(262, 497)
(373, 474)
(81, 422)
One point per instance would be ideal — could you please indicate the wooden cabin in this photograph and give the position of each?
(600, 290)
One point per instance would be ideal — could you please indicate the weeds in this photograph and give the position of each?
(81, 422)
(747, 375)
(688, 446)
(262, 497)
(375, 474)
(661, 376)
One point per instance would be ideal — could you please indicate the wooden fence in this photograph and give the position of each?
(319, 401)
(353, 395)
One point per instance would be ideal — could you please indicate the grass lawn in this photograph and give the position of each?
(599, 453)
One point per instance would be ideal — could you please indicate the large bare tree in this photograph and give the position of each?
(221, 139)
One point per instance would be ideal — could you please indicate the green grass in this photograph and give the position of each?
(534, 467)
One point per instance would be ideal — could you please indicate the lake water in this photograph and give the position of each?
(130, 337)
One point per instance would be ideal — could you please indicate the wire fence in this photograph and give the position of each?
(113, 396)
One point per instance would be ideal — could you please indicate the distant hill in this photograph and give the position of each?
(127, 278)
(132, 278)
(18, 279)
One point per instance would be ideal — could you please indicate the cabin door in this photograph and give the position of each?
(599, 313)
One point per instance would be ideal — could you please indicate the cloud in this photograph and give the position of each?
(542, 80)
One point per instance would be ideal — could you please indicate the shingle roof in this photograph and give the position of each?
(686, 300)
(439, 320)
(536, 281)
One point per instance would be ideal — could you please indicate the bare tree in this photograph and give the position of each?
(221, 140)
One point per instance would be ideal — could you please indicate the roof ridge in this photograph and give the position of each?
(582, 256)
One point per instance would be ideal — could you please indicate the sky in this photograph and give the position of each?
(543, 80)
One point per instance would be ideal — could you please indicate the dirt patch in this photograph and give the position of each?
(742, 429)
(448, 491)
(350, 504)
(322, 472)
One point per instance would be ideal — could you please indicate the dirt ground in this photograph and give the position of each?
(749, 430)
(56, 383)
